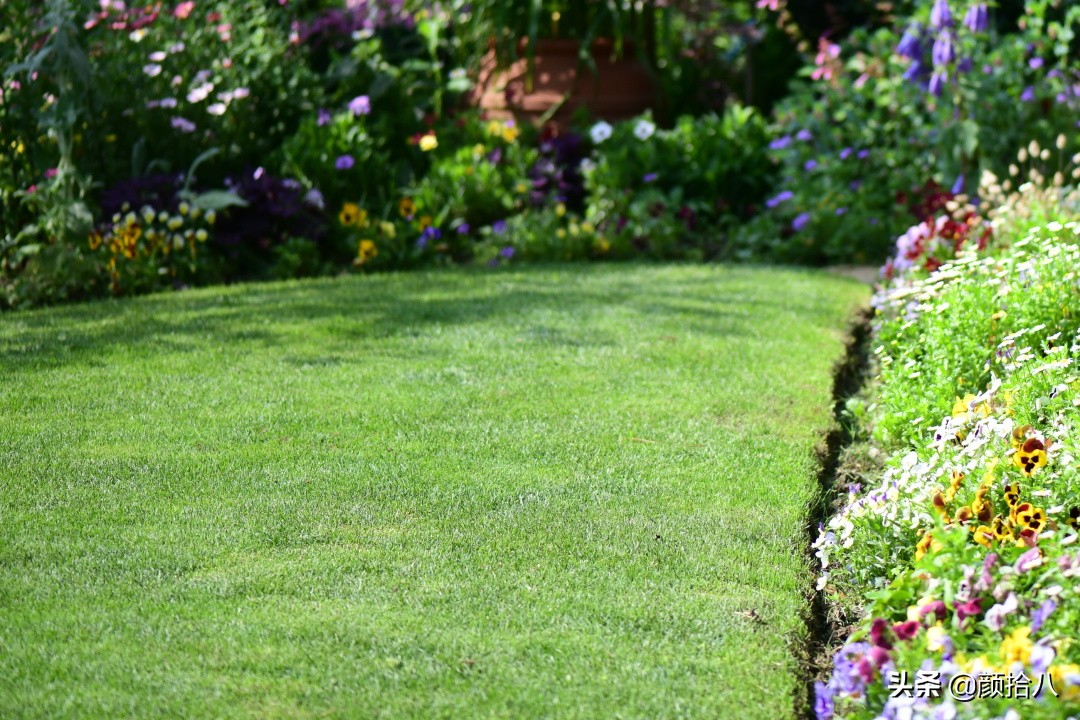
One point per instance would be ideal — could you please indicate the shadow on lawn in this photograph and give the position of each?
(346, 311)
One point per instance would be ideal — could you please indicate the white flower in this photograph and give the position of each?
(158, 56)
(200, 93)
(587, 166)
(600, 132)
(137, 35)
(216, 109)
(644, 130)
(153, 69)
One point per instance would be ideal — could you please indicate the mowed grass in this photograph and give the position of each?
(551, 492)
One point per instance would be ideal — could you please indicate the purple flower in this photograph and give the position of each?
(909, 45)
(780, 143)
(823, 701)
(498, 227)
(344, 162)
(1038, 618)
(651, 177)
(846, 153)
(914, 70)
(977, 19)
(944, 52)
(841, 211)
(315, 199)
(810, 165)
(801, 220)
(182, 124)
(940, 15)
(1028, 95)
(430, 234)
(507, 252)
(1042, 655)
(937, 82)
(324, 117)
(779, 198)
(360, 105)
(855, 185)
(804, 135)
(1035, 63)
(958, 186)
(863, 154)
(1028, 561)
(463, 229)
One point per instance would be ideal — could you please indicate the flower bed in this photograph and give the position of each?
(965, 547)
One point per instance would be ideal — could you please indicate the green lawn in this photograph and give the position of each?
(545, 492)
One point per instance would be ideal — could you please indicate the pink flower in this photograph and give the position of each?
(183, 10)
(50, 173)
(1028, 561)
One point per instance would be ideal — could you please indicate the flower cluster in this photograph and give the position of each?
(932, 50)
(967, 546)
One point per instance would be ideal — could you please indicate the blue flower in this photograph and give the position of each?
(360, 105)
(779, 198)
(1028, 95)
(937, 82)
(650, 177)
(324, 117)
(977, 19)
(909, 45)
(1042, 613)
(823, 701)
(345, 162)
(940, 15)
(498, 227)
(914, 70)
(846, 153)
(841, 211)
(463, 229)
(780, 143)
(804, 135)
(801, 220)
(944, 52)
(507, 252)
(1035, 63)
(810, 165)
(958, 186)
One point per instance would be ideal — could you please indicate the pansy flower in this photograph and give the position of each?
(1030, 456)
(366, 252)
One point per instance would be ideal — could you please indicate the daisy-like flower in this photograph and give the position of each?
(152, 70)
(644, 130)
(600, 132)
(216, 109)
(182, 124)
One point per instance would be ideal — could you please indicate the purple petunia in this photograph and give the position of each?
(823, 701)
(345, 162)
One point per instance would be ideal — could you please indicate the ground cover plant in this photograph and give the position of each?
(452, 494)
(958, 555)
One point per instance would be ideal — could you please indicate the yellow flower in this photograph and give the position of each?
(1030, 456)
(602, 245)
(388, 229)
(94, 240)
(211, 216)
(406, 206)
(560, 210)
(1027, 516)
(424, 222)
(587, 227)
(926, 544)
(1061, 675)
(954, 485)
(561, 234)
(429, 142)
(201, 235)
(494, 128)
(936, 638)
(350, 213)
(983, 535)
(184, 208)
(365, 253)
(1012, 494)
(175, 223)
(1017, 646)
(510, 133)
